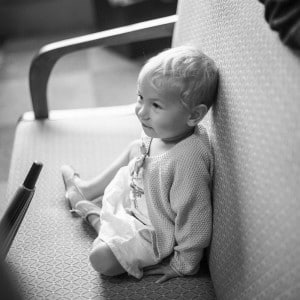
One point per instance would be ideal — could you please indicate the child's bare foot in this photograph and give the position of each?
(71, 180)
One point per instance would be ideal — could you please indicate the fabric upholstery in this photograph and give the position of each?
(255, 129)
(50, 255)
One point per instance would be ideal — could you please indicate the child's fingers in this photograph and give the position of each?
(154, 270)
(166, 277)
(153, 267)
(163, 279)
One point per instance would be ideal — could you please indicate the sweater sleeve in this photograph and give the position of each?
(190, 199)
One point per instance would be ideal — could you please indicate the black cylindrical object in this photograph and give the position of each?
(17, 208)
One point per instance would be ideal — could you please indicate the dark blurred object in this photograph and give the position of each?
(8, 287)
(110, 16)
(9, 226)
(39, 17)
(17, 208)
(284, 17)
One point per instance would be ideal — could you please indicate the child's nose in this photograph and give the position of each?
(142, 112)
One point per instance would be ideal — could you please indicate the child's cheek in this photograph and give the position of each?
(164, 125)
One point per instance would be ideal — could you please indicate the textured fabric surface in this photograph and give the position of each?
(255, 129)
(50, 253)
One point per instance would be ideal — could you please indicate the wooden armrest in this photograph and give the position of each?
(48, 55)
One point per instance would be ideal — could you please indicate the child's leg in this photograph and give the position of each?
(94, 188)
(104, 261)
(94, 221)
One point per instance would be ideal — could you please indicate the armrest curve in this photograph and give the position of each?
(43, 63)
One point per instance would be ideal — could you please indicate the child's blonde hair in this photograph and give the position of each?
(188, 69)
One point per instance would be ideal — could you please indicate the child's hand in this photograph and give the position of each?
(161, 269)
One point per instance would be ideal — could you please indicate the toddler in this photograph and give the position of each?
(157, 195)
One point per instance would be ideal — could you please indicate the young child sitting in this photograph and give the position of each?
(157, 195)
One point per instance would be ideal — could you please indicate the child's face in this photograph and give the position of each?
(160, 111)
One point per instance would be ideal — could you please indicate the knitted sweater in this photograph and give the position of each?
(177, 186)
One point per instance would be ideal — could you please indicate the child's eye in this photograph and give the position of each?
(139, 98)
(155, 105)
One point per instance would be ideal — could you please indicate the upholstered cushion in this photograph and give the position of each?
(255, 132)
(50, 255)
(255, 129)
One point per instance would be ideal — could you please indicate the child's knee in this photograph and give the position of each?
(103, 261)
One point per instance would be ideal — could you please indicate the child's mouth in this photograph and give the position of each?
(146, 126)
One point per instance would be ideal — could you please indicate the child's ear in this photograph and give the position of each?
(197, 114)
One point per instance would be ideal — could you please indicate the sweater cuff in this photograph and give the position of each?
(184, 266)
(177, 272)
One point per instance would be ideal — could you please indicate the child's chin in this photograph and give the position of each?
(149, 132)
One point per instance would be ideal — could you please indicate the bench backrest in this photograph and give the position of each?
(255, 129)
